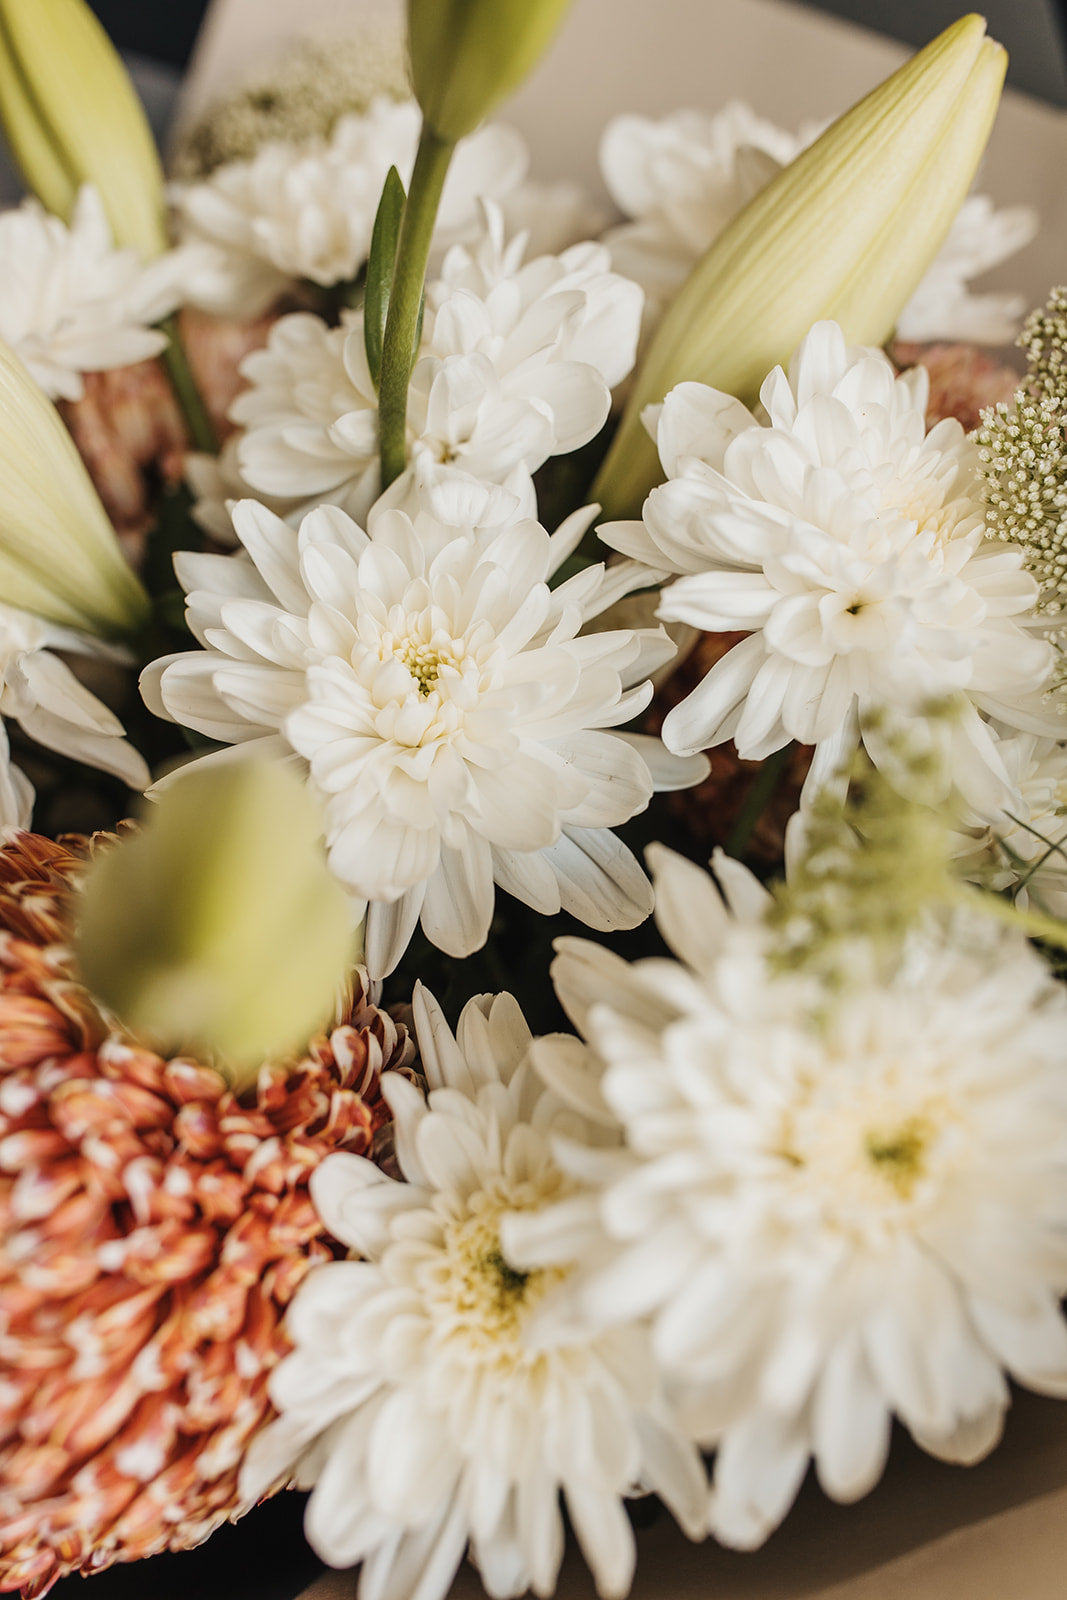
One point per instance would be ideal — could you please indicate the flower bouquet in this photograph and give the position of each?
(400, 1108)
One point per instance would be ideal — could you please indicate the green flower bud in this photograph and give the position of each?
(72, 116)
(844, 233)
(217, 930)
(59, 556)
(469, 55)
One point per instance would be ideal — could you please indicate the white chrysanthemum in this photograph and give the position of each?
(307, 211)
(517, 364)
(41, 694)
(1025, 849)
(850, 543)
(835, 1209)
(70, 302)
(451, 721)
(410, 1404)
(683, 177)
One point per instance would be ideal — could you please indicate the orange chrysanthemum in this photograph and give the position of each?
(153, 1228)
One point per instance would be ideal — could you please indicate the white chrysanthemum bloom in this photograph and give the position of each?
(451, 721)
(943, 306)
(410, 1404)
(835, 1208)
(1025, 849)
(215, 483)
(70, 302)
(683, 177)
(307, 211)
(517, 363)
(851, 544)
(40, 692)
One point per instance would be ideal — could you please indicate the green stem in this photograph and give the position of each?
(1035, 924)
(186, 390)
(412, 254)
(756, 800)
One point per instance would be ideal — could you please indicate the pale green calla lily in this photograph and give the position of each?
(469, 55)
(59, 556)
(217, 930)
(71, 116)
(844, 233)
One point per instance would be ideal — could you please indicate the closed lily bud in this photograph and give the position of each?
(72, 116)
(843, 234)
(59, 556)
(217, 929)
(469, 55)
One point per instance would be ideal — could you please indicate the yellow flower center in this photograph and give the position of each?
(898, 1155)
(424, 662)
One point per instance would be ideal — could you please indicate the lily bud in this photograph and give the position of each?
(843, 234)
(59, 556)
(469, 55)
(217, 930)
(72, 116)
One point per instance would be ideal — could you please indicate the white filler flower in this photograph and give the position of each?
(682, 178)
(851, 545)
(307, 211)
(70, 302)
(410, 1402)
(835, 1209)
(517, 363)
(451, 721)
(40, 692)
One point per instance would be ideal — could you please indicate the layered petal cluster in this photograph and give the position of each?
(517, 363)
(411, 1404)
(156, 1226)
(307, 210)
(682, 178)
(1025, 849)
(835, 1209)
(850, 544)
(70, 302)
(451, 718)
(40, 692)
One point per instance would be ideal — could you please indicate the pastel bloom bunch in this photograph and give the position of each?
(304, 1178)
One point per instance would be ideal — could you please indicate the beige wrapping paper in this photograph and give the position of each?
(997, 1531)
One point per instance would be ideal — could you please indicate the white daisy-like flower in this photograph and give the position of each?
(307, 211)
(451, 720)
(517, 363)
(410, 1403)
(851, 544)
(40, 692)
(1025, 849)
(834, 1208)
(682, 178)
(70, 302)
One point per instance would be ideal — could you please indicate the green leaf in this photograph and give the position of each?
(381, 264)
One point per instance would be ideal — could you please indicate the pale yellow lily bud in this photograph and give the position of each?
(72, 116)
(59, 556)
(217, 930)
(469, 55)
(845, 233)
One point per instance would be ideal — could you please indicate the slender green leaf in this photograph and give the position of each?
(381, 264)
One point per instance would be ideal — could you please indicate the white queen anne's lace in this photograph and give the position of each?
(410, 1402)
(850, 544)
(451, 718)
(834, 1209)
